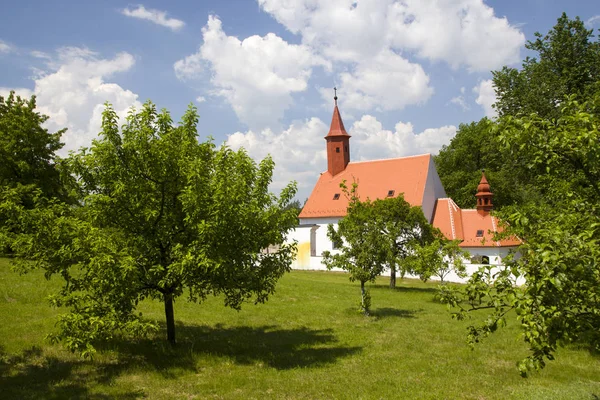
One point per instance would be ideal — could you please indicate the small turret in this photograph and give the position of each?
(484, 196)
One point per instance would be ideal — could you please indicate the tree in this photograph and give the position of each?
(560, 300)
(29, 166)
(404, 228)
(567, 64)
(27, 150)
(363, 250)
(375, 235)
(438, 258)
(474, 148)
(160, 215)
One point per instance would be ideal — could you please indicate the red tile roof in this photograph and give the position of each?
(375, 178)
(464, 224)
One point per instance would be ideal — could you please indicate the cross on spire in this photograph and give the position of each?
(335, 95)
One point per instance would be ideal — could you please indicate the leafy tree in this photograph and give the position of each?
(404, 228)
(28, 165)
(438, 258)
(161, 215)
(27, 150)
(375, 235)
(567, 63)
(363, 250)
(560, 300)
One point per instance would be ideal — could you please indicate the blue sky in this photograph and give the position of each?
(261, 72)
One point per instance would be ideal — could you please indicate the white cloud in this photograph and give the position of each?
(257, 75)
(190, 67)
(384, 82)
(200, 99)
(152, 15)
(299, 151)
(486, 97)
(73, 90)
(459, 32)
(40, 54)
(4, 47)
(23, 92)
(593, 20)
(460, 100)
(371, 141)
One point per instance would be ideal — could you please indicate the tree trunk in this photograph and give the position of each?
(393, 277)
(363, 298)
(170, 318)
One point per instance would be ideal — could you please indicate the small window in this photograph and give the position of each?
(479, 232)
(485, 260)
(336, 196)
(337, 149)
(486, 201)
(390, 193)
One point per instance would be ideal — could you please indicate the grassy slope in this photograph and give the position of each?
(307, 342)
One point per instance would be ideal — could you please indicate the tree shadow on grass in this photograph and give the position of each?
(387, 312)
(268, 345)
(35, 375)
(405, 289)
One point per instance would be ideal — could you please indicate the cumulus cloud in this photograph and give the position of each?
(23, 92)
(299, 151)
(257, 75)
(371, 141)
(369, 43)
(4, 47)
(486, 97)
(73, 89)
(459, 32)
(460, 100)
(384, 82)
(200, 99)
(156, 16)
(593, 20)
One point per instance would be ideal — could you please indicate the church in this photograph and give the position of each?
(415, 177)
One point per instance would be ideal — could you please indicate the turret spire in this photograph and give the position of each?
(484, 195)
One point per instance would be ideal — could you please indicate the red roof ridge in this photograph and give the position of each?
(390, 159)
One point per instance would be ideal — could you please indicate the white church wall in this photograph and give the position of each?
(312, 241)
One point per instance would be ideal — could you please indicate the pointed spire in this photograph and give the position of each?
(484, 195)
(338, 142)
(337, 125)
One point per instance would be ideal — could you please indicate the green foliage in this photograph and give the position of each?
(475, 147)
(160, 215)
(560, 301)
(405, 229)
(567, 64)
(438, 258)
(362, 248)
(375, 235)
(28, 167)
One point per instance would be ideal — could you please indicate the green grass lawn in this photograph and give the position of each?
(307, 342)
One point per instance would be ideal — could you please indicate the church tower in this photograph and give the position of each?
(338, 143)
(484, 196)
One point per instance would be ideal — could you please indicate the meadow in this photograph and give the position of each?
(307, 342)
